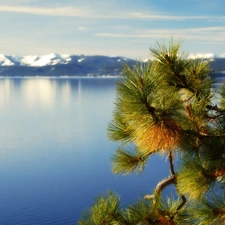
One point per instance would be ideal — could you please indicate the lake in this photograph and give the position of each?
(54, 152)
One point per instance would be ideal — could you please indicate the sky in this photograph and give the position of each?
(126, 28)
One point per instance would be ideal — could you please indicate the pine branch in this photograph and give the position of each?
(165, 182)
(127, 160)
(106, 210)
(215, 108)
(172, 171)
(194, 179)
(209, 211)
(161, 186)
(184, 200)
(151, 110)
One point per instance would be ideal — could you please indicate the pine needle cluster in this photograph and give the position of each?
(167, 106)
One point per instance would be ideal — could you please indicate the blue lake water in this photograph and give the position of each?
(54, 152)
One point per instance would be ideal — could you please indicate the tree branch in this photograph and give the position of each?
(182, 203)
(172, 171)
(215, 108)
(165, 182)
(161, 185)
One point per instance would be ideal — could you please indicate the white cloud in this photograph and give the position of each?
(59, 11)
(140, 15)
(88, 12)
(81, 28)
(205, 34)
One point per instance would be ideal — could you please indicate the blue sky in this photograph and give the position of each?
(110, 27)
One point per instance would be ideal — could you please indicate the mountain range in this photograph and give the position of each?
(79, 65)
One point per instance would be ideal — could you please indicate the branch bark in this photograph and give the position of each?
(166, 182)
(182, 203)
(161, 185)
(172, 171)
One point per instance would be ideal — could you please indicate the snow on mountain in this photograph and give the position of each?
(202, 56)
(38, 61)
(198, 56)
(5, 61)
(81, 59)
(29, 60)
(53, 59)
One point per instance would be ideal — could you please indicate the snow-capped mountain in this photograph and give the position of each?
(79, 65)
(56, 64)
(202, 56)
(205, 56)
(51, 59)
(54, 59)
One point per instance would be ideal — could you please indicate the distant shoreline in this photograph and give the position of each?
(63, 76)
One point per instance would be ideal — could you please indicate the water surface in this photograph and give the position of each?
(54, 153)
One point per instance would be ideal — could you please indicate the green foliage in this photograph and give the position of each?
(193, 174)
(208, 211)
(127, 160)
(222, 93)
(167, 106)
(105, 211)
(139, 213)
(132, 95)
